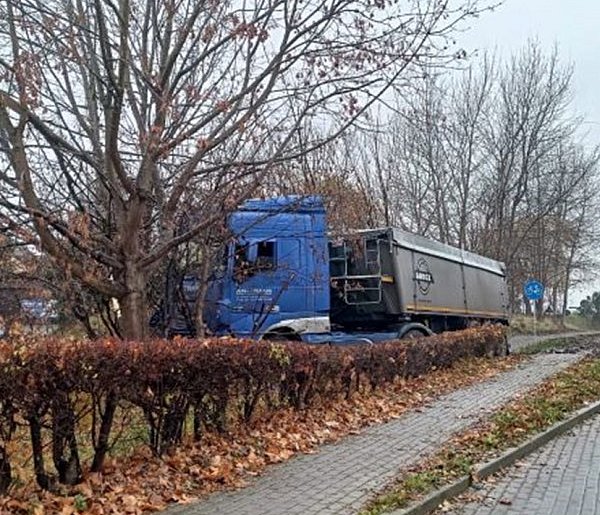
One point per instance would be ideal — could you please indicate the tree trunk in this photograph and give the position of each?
(134, 309)
(200, 302)
(65, 452)
(527, 303)
(37, 448)
(101, 443)
(5, 471)
(565, 299)
(539, 308)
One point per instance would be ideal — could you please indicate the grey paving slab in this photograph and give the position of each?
(562, 478)
(343, 476)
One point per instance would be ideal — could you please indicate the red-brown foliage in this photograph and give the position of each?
(52, 385)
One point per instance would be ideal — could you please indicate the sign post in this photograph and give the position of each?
(534, 291)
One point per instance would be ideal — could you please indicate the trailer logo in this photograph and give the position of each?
(423, 276)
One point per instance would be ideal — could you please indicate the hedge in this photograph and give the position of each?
(66, 393)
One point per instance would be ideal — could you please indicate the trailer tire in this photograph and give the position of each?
(413, 330)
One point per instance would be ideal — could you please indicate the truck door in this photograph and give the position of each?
(268, 284)
(292, 296)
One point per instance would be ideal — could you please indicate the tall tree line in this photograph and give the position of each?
(492, 160)
(130, 129)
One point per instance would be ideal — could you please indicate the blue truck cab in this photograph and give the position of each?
(275, 281)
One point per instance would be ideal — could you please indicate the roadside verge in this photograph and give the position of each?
(507, 434)
(432, 501)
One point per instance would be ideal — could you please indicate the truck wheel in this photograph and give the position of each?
(282, 336)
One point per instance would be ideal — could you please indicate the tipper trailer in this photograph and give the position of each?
(283, 276)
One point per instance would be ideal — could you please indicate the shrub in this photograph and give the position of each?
(51, 386)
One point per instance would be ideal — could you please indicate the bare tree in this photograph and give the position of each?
(490, 161)
(113, 113)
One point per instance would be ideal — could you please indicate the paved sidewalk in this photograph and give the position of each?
(343, 476)
(562, 478)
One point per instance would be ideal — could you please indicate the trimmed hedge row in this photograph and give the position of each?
(67, 392)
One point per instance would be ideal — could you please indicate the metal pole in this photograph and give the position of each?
(534, 318)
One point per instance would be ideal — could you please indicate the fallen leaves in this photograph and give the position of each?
(141, 482)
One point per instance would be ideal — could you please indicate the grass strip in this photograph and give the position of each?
(575, 343)
(554, 344)
(541, 407)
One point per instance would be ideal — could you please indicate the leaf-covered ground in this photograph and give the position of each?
(135, 481)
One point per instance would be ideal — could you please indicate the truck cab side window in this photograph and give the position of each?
(242, 268)
(265, 255)
(251, 259)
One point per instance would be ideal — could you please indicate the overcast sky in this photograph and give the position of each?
(574, 26)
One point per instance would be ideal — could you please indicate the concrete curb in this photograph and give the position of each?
(433, 500)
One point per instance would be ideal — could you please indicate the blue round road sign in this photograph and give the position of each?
(534, 290)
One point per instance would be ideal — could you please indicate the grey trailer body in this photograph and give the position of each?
(391, 276)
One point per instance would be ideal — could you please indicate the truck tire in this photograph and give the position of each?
(282, 336)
